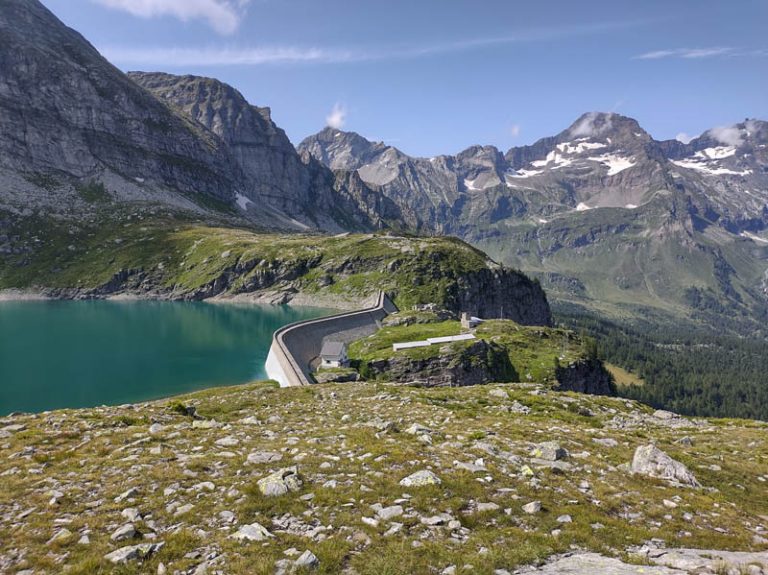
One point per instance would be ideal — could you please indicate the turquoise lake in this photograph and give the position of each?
(56, 354)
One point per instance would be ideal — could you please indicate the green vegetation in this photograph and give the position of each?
(184, 257)
(534, 352)
(684, 369)
(93, 192)
(354, 436)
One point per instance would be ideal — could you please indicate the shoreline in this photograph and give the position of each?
(266, 297)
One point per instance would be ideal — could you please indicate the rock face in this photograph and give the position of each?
(601, 210)
(66, 110)
(275, 174)
(586, 376)
(74, 128)
(478, 363)
(651, 461)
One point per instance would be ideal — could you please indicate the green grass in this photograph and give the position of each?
(533, 351)
(183, 257)
(326, 430)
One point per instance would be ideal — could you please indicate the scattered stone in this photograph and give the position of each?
(252, 532)
(651, 461)
(532, 507)
(133, 553)
(420, 479)
(280, 482)
(123, 533)
(307, 560)
(565, 519)
(259, 457)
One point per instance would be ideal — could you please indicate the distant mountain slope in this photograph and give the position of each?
(76, 132)
(602, 212)
(274, 173)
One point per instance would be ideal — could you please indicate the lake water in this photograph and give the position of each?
(56, 354)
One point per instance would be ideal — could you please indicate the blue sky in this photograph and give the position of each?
(436, 76)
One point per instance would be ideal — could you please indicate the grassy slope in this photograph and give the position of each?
(533, 351)
(329, 432)
(183, 256)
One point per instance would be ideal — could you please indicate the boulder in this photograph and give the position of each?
(651, 461)
(420, 479)
(280, 482)
(133, 553)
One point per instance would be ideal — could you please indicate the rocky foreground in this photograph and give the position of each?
(376, 478)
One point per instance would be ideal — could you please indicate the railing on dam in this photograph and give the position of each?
(295, 345)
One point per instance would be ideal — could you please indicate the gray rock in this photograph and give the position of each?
(123, 533)
(651, 461)
(280, 482)
(532, 507)
(133, 553)
(420, 479)
(699, 560)
(594, 564)
(252, 532)
(307, 560)
(259, 457)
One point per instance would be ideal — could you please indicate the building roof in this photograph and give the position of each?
(332, 350)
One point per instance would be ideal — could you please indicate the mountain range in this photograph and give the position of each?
(603, 214)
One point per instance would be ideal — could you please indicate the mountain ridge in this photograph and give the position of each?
(601, 212)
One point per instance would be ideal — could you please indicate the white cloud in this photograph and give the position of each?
(683, 137)
(593, 124)
(222, 15)
(190, 57)
(338, 116)
(727, 135)
(239, 56)
(514, 130)
(686, 53)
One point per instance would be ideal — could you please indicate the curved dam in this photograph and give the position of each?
(294, 346)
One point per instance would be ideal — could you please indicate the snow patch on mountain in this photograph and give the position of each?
(553, 157)
(707, 167)
(524, 174)
(242, 202)
(716, 153)
(580, 147)
(614, 162)
(582, 207)
(753, 237)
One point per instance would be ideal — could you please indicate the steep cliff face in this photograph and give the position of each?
(586, 376)
(65, 110)
(503, 294)
(479, 363)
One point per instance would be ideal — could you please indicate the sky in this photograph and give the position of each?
(437, 76)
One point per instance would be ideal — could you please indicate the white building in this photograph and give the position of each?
(333, 354)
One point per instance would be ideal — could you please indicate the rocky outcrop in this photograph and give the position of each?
(651, 461)
(501, 294)
(585, 376)
(454, 365)
(65, 110)
(275, 174)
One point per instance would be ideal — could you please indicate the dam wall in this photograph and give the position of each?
(295, 345)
